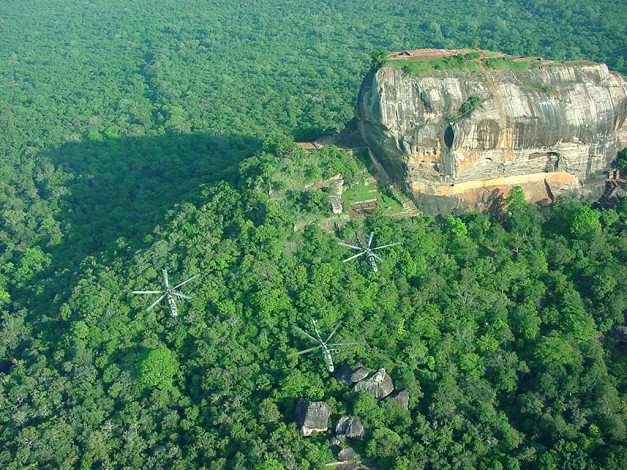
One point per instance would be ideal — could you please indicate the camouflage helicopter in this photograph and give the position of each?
(367, 252)
(326, 352)
(168, 293)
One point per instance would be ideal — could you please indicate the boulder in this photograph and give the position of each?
(351, 428)
(619, 332)
(355, 430)
(379, 385)
(402, 398)
(347, 453)
(359, 374)
(342, 423)
(311, 416)
(334, 444)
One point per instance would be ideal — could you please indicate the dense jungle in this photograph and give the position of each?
(138, 136)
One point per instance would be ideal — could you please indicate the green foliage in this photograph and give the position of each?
(584, 222)
(507, 63)
(422, 67)
(516, 199)
(377, 59)
(157, 368)
(546, 89)
(384, 444)
(130, 143)
(456, 226)
(621, 161)
(270, 464)
(554, 350)
(471, 103)
(278, 144)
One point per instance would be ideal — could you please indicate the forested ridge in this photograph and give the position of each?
(134, 138)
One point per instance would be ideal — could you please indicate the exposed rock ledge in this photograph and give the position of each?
(553, 129)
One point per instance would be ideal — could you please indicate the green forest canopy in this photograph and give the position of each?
(131, 141)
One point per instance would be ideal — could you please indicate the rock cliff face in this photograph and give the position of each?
(552, 129)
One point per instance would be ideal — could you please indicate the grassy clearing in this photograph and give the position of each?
(508, 63)
(360, 192)
(364, 192)
(467, 62)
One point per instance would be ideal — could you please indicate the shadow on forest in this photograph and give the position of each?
(124, 187)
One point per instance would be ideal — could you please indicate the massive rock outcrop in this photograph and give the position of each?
(552, 129)
(311, 416)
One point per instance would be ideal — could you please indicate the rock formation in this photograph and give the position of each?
(360, 374)
(402, 398)
(455, 139)
(379, 385)
(311, 416)
(619, 333)
(351, 428)
(347, 453)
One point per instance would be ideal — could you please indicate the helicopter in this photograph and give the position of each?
(168, 293)
(326, 352)
(367, 252)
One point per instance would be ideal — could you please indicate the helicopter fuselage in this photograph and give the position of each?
(171, 303)
(371, 261)
(326, 356)
(368, 255)
(326, 353)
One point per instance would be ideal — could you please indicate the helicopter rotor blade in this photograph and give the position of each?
(350, 246)
(352, 343)
(304, 351)
(183, 296)
(185, 282)
(165, 278)
(302, 332)
(334, 330)
(385, 246)
(147, 292)
(377, 256)
(155, 303)
(353, 257)
(370, 239)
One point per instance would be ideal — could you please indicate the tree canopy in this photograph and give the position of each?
(139, 136)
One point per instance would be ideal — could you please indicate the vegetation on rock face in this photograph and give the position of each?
(471, 103)
(508, 63)
(132, 140)
(457, 62)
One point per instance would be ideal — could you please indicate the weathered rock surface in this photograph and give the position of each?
(402, 398)
(355, 430)
(359, 374)
(619, 332)
(553, 129)
(311, 416)
(340, 427)
(347, 453)
(379, 385)
(351, 428)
